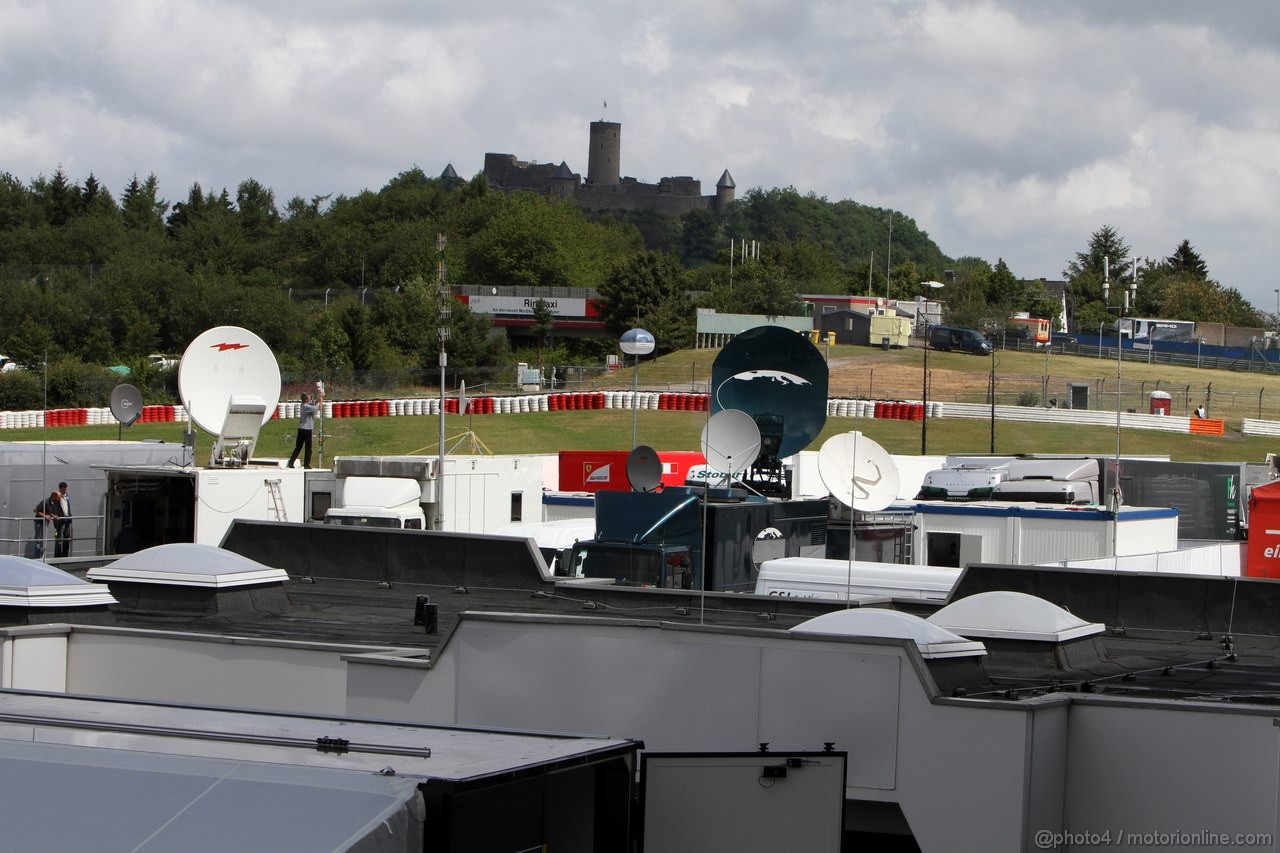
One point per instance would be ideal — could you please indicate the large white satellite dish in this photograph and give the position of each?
(730, 441)
(223, 362)
(859, 473)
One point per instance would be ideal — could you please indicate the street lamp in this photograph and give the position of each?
(636, 342)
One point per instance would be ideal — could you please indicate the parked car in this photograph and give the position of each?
(162, 361)
(1063, 340)
(7, 363)
(954, 338)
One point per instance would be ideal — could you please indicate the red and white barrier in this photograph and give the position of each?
(573, 401)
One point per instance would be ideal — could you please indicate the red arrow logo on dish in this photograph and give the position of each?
(225, 347)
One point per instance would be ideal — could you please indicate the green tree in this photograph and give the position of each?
(1101, 261)
(360, 336)
(650, 287)
(965, 295)
(60, 198)
(17, 206)
(1240, 311)
(327, 347)
(1106, 251)
(699, 237)
(813, 269)
(544, 323)
(1189, 297)
(95, 199)
(141, 205)
(1185, 259)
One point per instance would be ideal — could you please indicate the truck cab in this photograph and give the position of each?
(392, 502)
(664, 566)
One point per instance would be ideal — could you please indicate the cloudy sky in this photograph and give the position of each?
(1006, 129)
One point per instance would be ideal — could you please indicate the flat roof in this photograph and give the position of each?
(420, 752)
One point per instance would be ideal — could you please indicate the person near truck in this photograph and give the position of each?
(48, 511)
(306, 423)
(62, 527)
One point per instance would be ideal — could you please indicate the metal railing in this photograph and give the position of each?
(44, 546)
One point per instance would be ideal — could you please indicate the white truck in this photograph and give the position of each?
(379, 502)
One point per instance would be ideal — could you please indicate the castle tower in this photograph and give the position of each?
(564, 181)
(605, 155)
(724, 190)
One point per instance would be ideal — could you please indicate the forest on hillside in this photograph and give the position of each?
(90, 279)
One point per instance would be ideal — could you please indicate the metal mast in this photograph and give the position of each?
(444, 312)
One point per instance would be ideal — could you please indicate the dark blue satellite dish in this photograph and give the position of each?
(777, 377)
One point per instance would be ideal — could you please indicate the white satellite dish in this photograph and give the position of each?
(859, 473)
(730, 441)
(223, 362)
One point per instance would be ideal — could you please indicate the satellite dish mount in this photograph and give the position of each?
(779, 379)
(229, 382)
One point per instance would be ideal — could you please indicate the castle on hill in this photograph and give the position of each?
(604, 189)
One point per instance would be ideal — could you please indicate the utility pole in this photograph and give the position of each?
(924, 394)
(444, 311)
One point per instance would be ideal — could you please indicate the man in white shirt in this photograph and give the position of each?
(306, 423)
(62, 527)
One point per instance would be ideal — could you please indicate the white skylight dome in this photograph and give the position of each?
(187, 564)
(31, 583)
(931, 640)
(1013, 616)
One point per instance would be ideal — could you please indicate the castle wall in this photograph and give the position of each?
(590, 197)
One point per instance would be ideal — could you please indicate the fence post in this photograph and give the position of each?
(1260, 392)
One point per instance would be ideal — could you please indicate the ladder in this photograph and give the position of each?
(277, 500)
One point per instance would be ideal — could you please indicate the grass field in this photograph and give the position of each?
(854, 371)
(958, 377)
(548, 432)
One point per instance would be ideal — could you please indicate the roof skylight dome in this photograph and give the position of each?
(1006, 615)
(931, 640)
(31, 583)
(187, 564)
